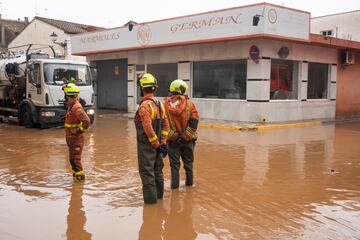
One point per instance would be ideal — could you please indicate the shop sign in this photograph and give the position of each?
(283, 52)
(272, 16)
(232, 23)
(144, 35)
(254, 53)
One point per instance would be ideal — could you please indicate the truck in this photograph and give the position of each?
(31, 87)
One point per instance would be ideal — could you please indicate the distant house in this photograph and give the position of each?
(9, 29)
(344, 25)
(38, 31)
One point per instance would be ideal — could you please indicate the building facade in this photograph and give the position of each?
(9, 29)
(344, 26)
(257, 63)
(38, 31)
(340, 25)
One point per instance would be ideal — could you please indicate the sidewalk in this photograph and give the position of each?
(234, 125)
(245, 126)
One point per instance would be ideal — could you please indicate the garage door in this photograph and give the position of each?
(112, 84)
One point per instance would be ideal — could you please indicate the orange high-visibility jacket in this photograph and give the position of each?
(76, 118)
(148, 112)
(183, 117)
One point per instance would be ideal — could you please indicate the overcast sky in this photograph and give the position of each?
(115, 13)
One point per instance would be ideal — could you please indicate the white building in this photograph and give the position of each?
(38, 31)
(238, 69)
(340, 25)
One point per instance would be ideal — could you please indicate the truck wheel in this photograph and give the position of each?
(26, 117)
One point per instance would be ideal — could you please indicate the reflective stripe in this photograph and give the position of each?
(187, 111)
(152, 111)
(190, 132)
(171, 132)
(79, 173)
(81, 127)
(162, 110)
(153, 139)
(69, 125)
(165, 133)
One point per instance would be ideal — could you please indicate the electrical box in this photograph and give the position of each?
(347, 58)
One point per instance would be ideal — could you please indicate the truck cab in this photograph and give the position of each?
(45, 102)
(31, 88)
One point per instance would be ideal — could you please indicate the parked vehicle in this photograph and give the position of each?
(31, 87)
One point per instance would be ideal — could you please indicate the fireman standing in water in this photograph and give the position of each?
(183, 118)
(152, 129)
(76, 123)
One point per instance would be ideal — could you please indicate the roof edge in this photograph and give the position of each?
(334, 14)
(334, 42)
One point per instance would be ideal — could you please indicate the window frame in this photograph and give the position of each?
(147, 71)
(192, 80)
(327, 83)
(298, 75)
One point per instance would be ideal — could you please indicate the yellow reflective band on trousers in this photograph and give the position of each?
(153, 139)
(79, 173)
(165, 133)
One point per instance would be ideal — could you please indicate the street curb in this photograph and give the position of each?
(260, 127)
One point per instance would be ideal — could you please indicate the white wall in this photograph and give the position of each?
(276, 111)
(344, 25)
(222, 24)
(38, 32)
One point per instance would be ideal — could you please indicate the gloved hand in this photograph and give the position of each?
(162, 149)
(180, 140)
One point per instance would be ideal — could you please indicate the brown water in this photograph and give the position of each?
(300, 183)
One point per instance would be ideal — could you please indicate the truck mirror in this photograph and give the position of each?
(31, 66)
(93, 73)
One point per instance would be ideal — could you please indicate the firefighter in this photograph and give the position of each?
(76, 123)
(183, 119)
(152, 129)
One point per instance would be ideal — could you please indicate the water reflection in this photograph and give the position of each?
(153, 219)
(170, 219)
(249, 185)
(76, 218)
(178, 222)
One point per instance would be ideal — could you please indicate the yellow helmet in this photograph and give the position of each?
(178, 86)
(148, 80)
(71, 89)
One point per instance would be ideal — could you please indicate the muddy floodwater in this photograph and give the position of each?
(296, 183)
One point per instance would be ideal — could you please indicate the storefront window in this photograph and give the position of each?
(317, 81)
(165, 74)
(220, 79)
(283, 79)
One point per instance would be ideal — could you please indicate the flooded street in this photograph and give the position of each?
(295, 183)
